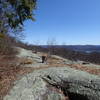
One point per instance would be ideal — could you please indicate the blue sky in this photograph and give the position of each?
(68, 21)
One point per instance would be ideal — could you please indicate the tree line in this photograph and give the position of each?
(93, 57)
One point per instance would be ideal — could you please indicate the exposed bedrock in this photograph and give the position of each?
(56, 84)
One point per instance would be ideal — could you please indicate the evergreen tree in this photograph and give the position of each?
(14, 12)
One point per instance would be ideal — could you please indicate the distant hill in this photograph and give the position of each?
(84, 48)
(80, 48)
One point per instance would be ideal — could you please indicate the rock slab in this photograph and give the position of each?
(55, 84)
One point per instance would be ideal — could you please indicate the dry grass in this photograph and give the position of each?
(95, 71)
(8, 74)
(54, 62)
(91, 70)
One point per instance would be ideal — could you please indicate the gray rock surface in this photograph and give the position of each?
(23, 53)
(36, 85)
(54, 83)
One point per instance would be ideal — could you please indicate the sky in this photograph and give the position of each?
(70, 22)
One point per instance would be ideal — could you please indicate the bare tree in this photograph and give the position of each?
(51, 43)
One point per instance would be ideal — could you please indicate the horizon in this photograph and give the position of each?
(73, 22)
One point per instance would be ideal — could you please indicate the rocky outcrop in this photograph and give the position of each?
(56, 84)
(27, 54)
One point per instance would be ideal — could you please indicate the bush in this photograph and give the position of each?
(6, 45)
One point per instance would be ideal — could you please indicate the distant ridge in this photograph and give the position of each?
(80, 48)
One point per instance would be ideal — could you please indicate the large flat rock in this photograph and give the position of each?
(46, 84)
(28, 54)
